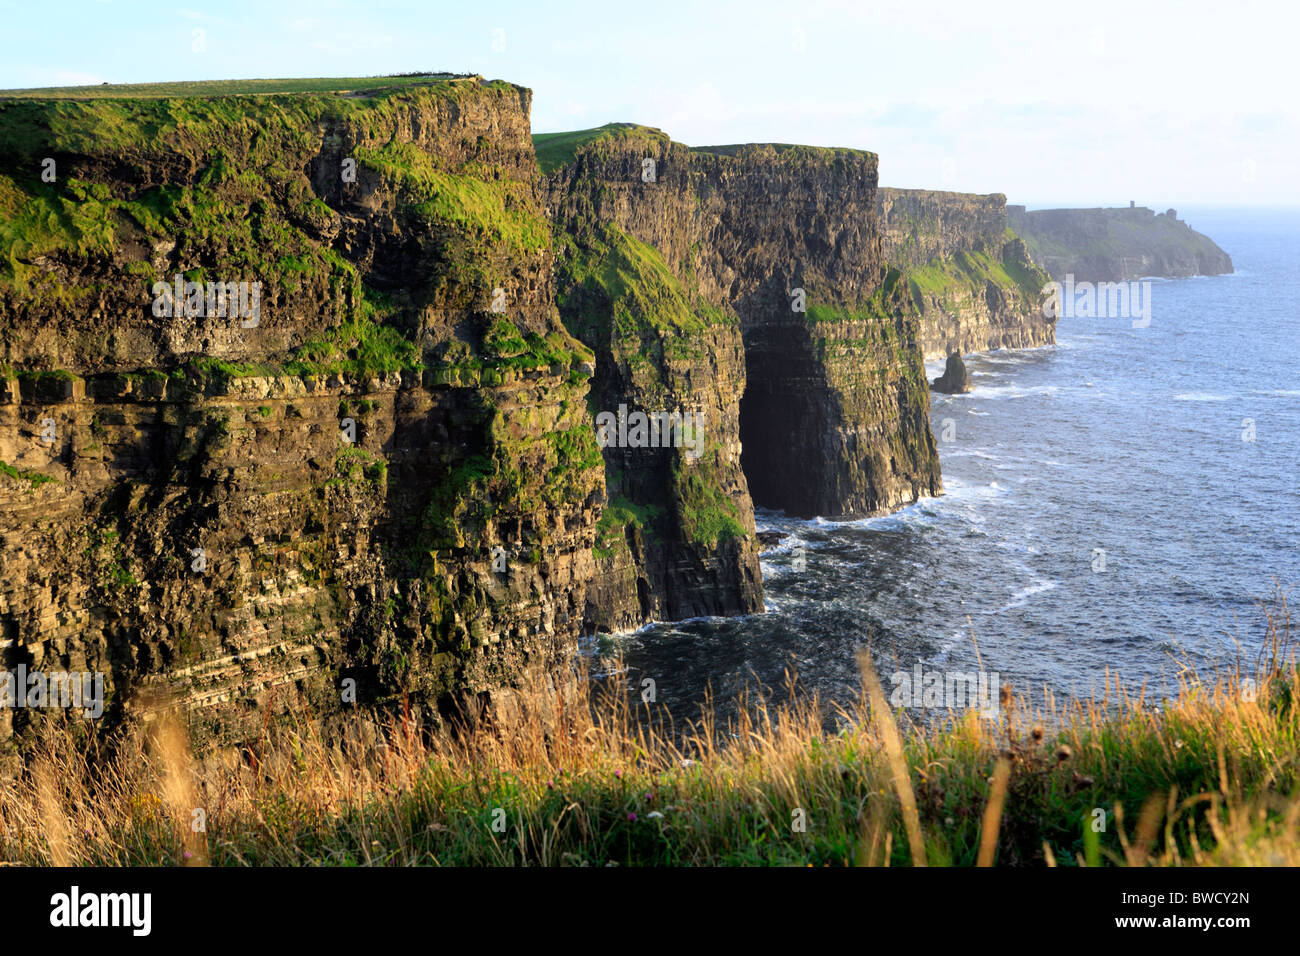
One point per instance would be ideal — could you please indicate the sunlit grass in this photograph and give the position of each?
(1209, 777)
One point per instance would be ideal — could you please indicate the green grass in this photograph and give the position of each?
(967, 272)
(210, 88)
(354, 464)
(611, 282)
(789, 151)
(250, 206)
(556, 150)
(619, 513)
(34, 479)
(706, 513)
(357, 347)
(499, 211)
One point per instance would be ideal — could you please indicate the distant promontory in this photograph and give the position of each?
(1111, 245)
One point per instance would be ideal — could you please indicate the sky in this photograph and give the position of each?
(1080, 104)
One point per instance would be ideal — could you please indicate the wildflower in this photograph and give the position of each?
(631, 818)
(188, 854)
(618, 773)
(654, 815)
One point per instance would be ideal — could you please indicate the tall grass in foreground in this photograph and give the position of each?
(1210, 777)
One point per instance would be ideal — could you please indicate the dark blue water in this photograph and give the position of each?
(1122, 440)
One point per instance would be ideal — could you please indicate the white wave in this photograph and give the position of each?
(1201, 397)
(1012, 390)
(970, 454)
(1279, 392)
(1021, 597)
(786, 544)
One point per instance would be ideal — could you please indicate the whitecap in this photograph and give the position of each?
(1021, 597)
(970, 454)
(1012, 390)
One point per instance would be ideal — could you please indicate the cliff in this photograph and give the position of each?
(969, 275)
(329, 394)
(1114, 245)
(685, 287)
(385, 473)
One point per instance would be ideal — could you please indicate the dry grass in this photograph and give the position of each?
(1213, 776)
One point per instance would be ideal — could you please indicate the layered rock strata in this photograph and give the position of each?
(969, 276)
(747, 284)
(382, 483)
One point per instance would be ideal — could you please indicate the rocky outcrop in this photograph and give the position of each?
(745, 283)
(386, 483)
(955, 379)
(1115, 245)
(969, 276)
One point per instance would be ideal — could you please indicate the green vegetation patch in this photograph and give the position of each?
(208, 88)
(967, 272)
(619, 514)
(613, 282)
(34, 479)
(556, 150)
(707, 514)
(501, 211)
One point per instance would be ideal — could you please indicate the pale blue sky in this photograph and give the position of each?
(1171, 104)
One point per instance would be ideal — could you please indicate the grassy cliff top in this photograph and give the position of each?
(555, 150)
(358, 85)
(735, 149)
(895, 192)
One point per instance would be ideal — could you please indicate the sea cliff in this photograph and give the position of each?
(1115, 245)
(969, 274)
(330, 395)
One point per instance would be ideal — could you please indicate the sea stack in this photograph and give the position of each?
(954, 378)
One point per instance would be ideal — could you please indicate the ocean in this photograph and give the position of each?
(1122, 502)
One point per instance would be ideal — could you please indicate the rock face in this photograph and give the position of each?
(383, 480)
(747, 284)
(1115, 245)
(955, 379)
(378, 470)
(969, 276)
